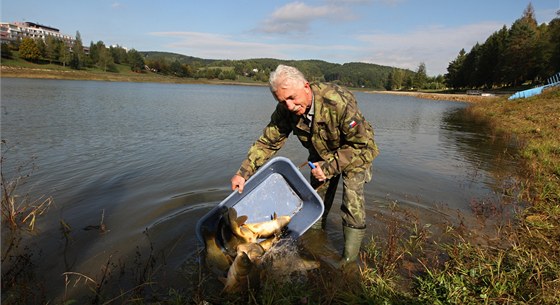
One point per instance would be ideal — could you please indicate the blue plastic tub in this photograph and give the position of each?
(277, 187)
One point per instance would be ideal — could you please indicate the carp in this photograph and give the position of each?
(250, 232)
(253, 250)
(269, 242)
(246, 235)
(229, 240)
(268, 228)
(215, 259)
(256, 250)
(238, 273)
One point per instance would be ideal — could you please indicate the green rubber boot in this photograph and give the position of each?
(352, 242)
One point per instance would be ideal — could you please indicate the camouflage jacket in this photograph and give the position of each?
(339, 135)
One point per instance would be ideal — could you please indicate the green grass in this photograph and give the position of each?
(525, 267)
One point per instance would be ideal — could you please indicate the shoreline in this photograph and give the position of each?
(440, 96)
(35, 73)
(25, 72)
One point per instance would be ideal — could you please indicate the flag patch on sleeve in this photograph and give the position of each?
(352, 124)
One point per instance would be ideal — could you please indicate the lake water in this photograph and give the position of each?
(154, 158)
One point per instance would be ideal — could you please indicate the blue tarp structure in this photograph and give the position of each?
(552, 81)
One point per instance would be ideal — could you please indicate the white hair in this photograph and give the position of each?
(284, 74)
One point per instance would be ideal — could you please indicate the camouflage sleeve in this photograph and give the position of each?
(272, 139)
(357, 147)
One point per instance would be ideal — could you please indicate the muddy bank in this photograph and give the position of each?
(440, 96)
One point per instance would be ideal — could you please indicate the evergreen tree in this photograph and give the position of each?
(469, 69)
(94, 51)
(554, 40)
(519, 54)
(78, 56)
(490, 56)
(455, 77)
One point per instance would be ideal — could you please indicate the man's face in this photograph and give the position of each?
(294, 96)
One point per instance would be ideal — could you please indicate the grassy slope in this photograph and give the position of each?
(527, 269)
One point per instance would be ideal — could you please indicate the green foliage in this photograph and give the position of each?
(119, 54)
(350, 74)
(6, 51)
(420, 78)
(77, 60)
(136, 61)
(52, 49)
(28, 50)
(526, 52)
(65, 56)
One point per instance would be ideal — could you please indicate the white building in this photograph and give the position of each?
(18, 30)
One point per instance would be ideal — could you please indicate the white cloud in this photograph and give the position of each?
(297, 17)
(216, 46)
(435, 46)
(116, 5)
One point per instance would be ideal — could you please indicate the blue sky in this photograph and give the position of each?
(398, 33)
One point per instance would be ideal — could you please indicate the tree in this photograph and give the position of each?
(52, 48)
(42, 47)
(94, 51)
(519, 60)
(469, 69)
(65, 55)
(136, 61)
(554, 39)
(28, 50)
(421, 77)
(454, 77)
(176, 69)
(490, 58)
(104, 59)
(398, 78)
(389, 84)
(6, 51)
(78, 54)
(119, 54)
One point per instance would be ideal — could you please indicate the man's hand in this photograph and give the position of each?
(317, 172)
(237, 182)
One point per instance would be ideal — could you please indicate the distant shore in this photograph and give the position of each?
(149, 77)
(440, 96)
(24, 72)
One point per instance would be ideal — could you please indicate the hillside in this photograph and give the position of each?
(171, 57)
(355, 74)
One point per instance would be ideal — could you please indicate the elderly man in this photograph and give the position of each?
(327, 121)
